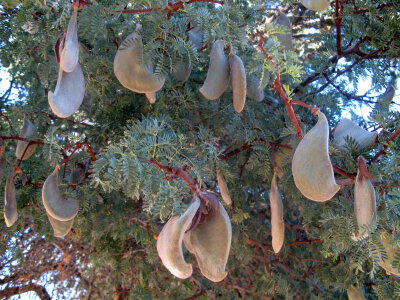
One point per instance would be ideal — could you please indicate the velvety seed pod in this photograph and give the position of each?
(253, 90)
(210, 242)
(277, 223)
(284, 39)
(27, 131)
(217, 79)
(384, 100)
(239, 84)
(130, 71)
(392, 252)
(364, 205)
(10, 202)
(355, 293)
(151, 97)
(60, 228)
(311, 167)
(346, 128)
(169, 242)
(316, 5)
(70, 53)
(181, 73)
(69, 92)
(196, 35)
(56, 206)
(223, 187)
(2, 165)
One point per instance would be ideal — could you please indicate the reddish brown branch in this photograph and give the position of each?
(169, 8)
(362, 167)
(381, 6)
(22, 139)
(341, 172)
(8, 121)
(383, 151)
(307, 242)
(338, 23)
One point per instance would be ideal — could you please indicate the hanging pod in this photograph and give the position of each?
(210, 242)
(392, 252)
(27, 131)
(346, 128)
(217, 79)
(130, 71)
(169, 242)
(316, 5)
(239, 84)
(70, 52)
(277, 223)
(196, 36)
(151, 97)
(284, 39)
(2, 159)
(182, 72)
(383, 102)
(10, 202)
(311, 167)
(223, 187)
(56, 206)
(253, 90)
(354, 293)
(60, 228)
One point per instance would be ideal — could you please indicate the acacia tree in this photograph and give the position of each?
(132, 164)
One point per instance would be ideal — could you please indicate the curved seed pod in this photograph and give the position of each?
(181, 73)
(284, 39)
(60, 228)
(217, 79)
(2, 162)
(316, 5)
(311, 167)
(239, 84)
(28, 130)
(196, 35)
(211, 242)
(69, 92)
(130, 71)
(169, 242)
(151, 97)
(223, 187)
(354, 293)
(392, 252)
(56, 206)
(384, 100)
(277, 224)
(10, 202)
(253, 90)
(346, 127)
(70, 53)
(364, 205)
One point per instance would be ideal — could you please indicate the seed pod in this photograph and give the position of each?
(210, 242)
(169, 242)
(10, 202)
(253, 89)
(181, 73)
(2, 160)
(56, 206)
(223, 187)
(316, 5)
(277, 223)
(151, 97)
(284, 39)
(238, 82)
(130, 71)
(346, 127)
(354, 293)
(195, 35)
(384, 100)
(392, 252)
(311, 167)
(60, 228)
(70, 53)
(217, 79)
(28, 130)
(364, 205)
(69, 92)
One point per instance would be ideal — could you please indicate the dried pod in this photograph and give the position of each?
(277, 223)
(131, 72)
(392, 252)
(60, 228)
(151, 97)
(217, 79)
(239, 84)
(169, 242)
(354, 293)
(253, 89)
(284, 39)
(384, 100)
(181, 73)
(69, 92)
(10, 202)
(346, 127)
(316, 5)
(56, 206)
(28, 130)
(196, 35)
(70, 52)
(311, 167)
(2, 164)
(210, 242)
(223, 187)
(364, 205)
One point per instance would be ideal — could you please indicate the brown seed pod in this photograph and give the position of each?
(60, 228)
(70, 53)
(10, 202)
(391, 251)
(28, 130)
(277, 223)
(2, 163)
(217, 79)
(346, 128)
(354, 293)
(253, 89)
(56, 206)
(169, 242)
(284, 39)
(311, 167)
(151, 97)
(182, 72)
(130, 71)
(210, 242)
(196, 35)
(223, 187)
(239, 84)
(316, 5)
